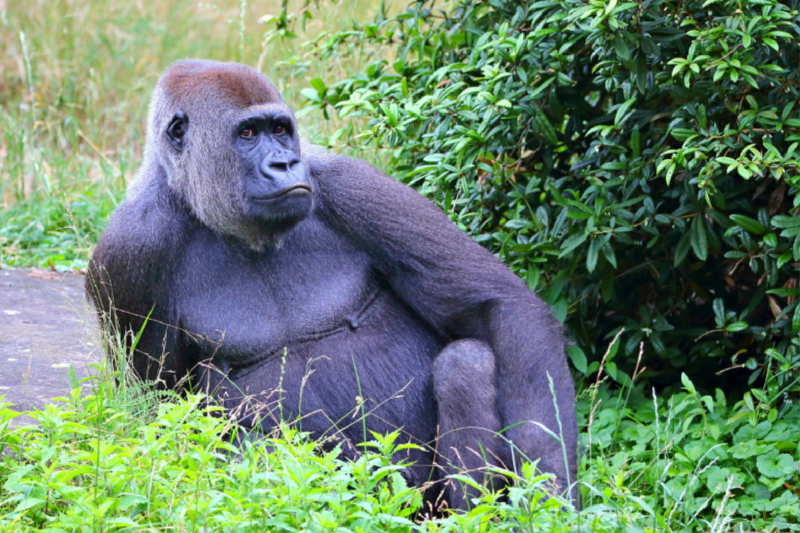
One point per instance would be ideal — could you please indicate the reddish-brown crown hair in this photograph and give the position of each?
(242, 85)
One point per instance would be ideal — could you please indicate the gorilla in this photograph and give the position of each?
(299, 286)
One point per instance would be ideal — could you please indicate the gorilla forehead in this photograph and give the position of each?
(240, 85)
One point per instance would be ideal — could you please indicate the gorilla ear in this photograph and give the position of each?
(176, 130)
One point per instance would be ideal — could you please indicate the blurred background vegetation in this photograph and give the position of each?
(635, 162)
(75, 79)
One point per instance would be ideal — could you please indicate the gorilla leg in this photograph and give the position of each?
(464, 384)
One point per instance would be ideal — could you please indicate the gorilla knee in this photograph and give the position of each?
(464, 372)
(463, 377)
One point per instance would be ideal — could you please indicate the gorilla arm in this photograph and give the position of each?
(132, 265)
(463, 291)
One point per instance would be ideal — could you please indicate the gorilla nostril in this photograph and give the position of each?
(280, 166)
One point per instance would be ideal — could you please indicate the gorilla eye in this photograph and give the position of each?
(247, 133)
(277, 130)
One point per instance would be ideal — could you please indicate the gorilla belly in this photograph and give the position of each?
(373, 366)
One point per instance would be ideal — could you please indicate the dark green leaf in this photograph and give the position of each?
(641, 72)
(591, 257)
(683, 249)
(698, 238)
(751, 225)
(737, 326)
(622, 48)
(701, 116)
(785, 221)
(578, 358)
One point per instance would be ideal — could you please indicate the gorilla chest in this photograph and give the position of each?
(243, 307)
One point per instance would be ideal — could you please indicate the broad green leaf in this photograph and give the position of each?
(319, 85)
(701, 116)
(544, 126)
(311, 94)
(785, 291)
(698, 238)
(785, 221)
(682, 249)
(719, 311)
(641, 71)
(751, 225)
(573, 242)
(658, 344)
(591, 257)
(623, 110)
(578, 358)
(737, 326)
(636, 143)
(776, 466)
(687, 383)
(621, 47)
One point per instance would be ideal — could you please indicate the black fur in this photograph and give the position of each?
(374, 301)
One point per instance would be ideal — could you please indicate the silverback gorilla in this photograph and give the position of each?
(267, 264)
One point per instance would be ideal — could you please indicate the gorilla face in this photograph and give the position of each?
(276, 192)
(277, 189)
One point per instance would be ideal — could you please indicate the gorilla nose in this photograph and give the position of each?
(278, 165)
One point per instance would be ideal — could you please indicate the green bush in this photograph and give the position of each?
(109, 458)
(635, 162)
(697, 461)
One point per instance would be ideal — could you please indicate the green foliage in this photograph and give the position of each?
(53, 232)
(696, 461)
(126, 458)
(89, 467)
(634, 162)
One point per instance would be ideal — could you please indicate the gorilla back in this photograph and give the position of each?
(296, 284)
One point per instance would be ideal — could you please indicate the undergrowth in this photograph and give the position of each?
(127, 458)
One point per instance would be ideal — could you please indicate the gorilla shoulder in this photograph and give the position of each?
(143, 240)
(149, 225)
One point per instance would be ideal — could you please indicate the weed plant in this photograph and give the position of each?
(120, 455)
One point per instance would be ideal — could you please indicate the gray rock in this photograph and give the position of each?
(46, 327)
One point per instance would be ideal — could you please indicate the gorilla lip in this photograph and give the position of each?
(284, 192)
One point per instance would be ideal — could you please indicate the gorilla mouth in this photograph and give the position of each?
(293, 190)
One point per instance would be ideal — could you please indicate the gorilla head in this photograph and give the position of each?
(229, 145)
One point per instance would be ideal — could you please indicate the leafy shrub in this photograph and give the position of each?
(699, 463)
(635, 162)
(91, 467)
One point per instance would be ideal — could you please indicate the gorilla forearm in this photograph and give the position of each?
(529, 349)
(464, 291)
